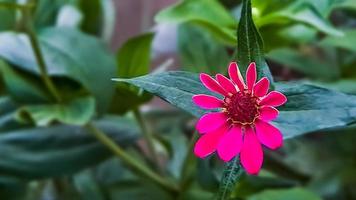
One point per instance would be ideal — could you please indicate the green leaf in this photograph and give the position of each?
(137, 190)
(46, 12)
(92, 16)
(133, 60)
(250, 44)
(313, 67)
(314, 107)
(68, 53)
(346, 4)
(301, 12)
(134, 56)
(232, 173)
(198, 52)
(7, 16)
(345, 42)
(38, 153)
(283, 194)
(311, 16)
(77, 112)
(208, 14)
(23, 87)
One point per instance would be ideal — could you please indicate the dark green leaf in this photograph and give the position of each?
(92, 16)
(232, 173)
(250, 44)
(198, 52)
(314, 107)
(209, 14)
(283, 194)
(87, 186)
(59, 150)
(68, 53)
(77, 112)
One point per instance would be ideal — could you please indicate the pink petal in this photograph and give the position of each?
(210, 122)
(261, 87)
(207, 101)
(251, 152)
(251, 76)
(226, 83)
(268, 135)
(274, 98)
(208, 142)
(235, 75)
(212, 85)
(268, 113)
(230, 144)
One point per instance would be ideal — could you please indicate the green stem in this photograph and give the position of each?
(147, 135)
(129, 160)
(38, 54)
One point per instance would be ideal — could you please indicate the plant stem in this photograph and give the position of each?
(38, 54)
(129, 160)
(147, 135)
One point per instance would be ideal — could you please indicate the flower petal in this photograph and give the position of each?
(268, 135)
(230, 144)
(226, 83)
(210, 122)
(261, 87)
(251, 152)
(235, 75)
(212, 85)
(251, 76)
(207, 101)
(268, 113)
(208, 142)
(274, 98)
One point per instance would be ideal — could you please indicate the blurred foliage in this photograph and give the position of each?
(47, 152)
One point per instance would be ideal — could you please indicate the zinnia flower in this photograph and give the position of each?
(241, 124)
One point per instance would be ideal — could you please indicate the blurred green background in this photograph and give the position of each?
(47, 151)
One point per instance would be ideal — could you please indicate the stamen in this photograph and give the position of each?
(242, 107)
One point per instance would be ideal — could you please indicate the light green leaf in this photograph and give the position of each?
(347, 41)
(68, 53)
(77, 112)
(346, 4)
(134, 56)
(208, 14)
(313, 67)
(302, 12)
(283, 194)
(198, 52)
(133, 60)
(314, 107)
(39, 153)
(250, 44)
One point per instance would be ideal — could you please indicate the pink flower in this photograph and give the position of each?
(242, 123)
